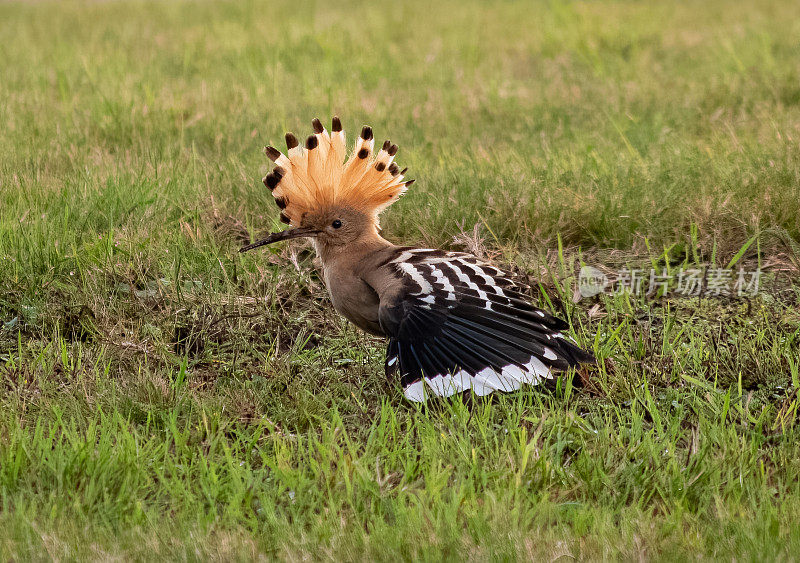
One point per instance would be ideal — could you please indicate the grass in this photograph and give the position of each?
(163, 396)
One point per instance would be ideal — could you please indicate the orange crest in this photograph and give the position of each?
(318, 176)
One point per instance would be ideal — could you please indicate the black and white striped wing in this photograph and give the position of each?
(460, 325)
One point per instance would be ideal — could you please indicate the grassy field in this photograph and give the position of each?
(163, 396)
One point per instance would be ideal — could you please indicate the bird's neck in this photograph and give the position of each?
(353, 252)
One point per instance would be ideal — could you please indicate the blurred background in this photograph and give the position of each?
(601, 122)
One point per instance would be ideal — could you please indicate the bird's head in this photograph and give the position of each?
(323, 196)
(331, 227)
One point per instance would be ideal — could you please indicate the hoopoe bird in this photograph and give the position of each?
(454, 323)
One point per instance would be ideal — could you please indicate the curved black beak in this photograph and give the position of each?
(282, 235)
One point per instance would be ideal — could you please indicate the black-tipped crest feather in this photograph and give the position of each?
(323, 174)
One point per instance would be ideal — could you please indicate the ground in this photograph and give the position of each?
(162, 395)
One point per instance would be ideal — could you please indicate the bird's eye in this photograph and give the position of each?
(336, 224)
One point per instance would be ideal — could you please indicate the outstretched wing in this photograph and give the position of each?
(461, 324)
